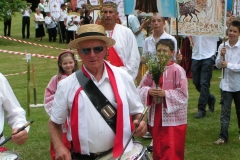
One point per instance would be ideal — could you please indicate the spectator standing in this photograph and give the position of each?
(7, 24)
(41, 7)
(70, 34)
(26, 21)
(51, 27)
(62, 21)
(87, 18)
(39, 22)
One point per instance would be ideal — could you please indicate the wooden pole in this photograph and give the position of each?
(28, 57)
(177, 29)
(223, 69)
(34, 84)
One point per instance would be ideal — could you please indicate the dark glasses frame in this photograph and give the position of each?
(96, 50)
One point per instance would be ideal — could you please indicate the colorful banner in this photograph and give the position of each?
(202, 18)
(164, 8)
(229, 5)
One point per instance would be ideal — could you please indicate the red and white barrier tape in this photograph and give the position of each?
(14, 74)
(26, 42)
(32, 54)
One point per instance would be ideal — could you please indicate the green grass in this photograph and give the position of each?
(201, 133)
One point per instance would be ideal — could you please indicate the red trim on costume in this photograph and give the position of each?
(74, 123)
(118, 142)
(114, 58)
(2, 149)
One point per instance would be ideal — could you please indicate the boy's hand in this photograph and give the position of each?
(223, 51)
(157, 92)
(224, 64)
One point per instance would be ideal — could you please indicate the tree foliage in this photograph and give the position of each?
(10, 6)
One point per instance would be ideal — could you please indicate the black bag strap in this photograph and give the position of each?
(1, 135)
(97, 98)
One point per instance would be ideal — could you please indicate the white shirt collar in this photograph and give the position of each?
(104, 75)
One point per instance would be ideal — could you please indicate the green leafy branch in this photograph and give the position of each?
(156, 65)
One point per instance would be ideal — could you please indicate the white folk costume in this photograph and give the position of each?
(150, 44)
(50, 92)
(167, 120)
(15, 115)
(48, 100)
(89, 132)
(126, 47)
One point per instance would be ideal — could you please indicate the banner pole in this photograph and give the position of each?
(34, 84)
(177, 30)
(28, 57)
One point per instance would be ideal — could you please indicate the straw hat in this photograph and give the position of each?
(89, 32)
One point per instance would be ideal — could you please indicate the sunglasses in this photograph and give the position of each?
(96, 50)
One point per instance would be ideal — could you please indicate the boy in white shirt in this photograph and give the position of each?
(229, 60)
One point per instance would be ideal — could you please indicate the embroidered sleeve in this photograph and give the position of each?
(144, 87)
(177, 96)
(49, 94)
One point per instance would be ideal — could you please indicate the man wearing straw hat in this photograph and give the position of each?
(88, 131)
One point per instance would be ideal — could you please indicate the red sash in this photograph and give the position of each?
(118, 142)
(114, 58)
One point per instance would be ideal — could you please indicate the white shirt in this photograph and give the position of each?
(49, 21)
(204, 47)
(63, 15)
(27, 12)
(14, 113)
(127, 48)
(231, 79)
(150, 44)
(100, 136)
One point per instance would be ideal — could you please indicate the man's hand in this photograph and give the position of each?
(19, 138)
(62, 153)
(141, 130)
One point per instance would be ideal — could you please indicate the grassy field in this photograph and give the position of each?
(201, 133)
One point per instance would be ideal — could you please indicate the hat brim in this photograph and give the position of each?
(75, 43)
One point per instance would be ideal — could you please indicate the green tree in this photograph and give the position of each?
(10, 6)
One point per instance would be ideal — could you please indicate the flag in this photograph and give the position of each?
(229, 5)
(164, 8)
